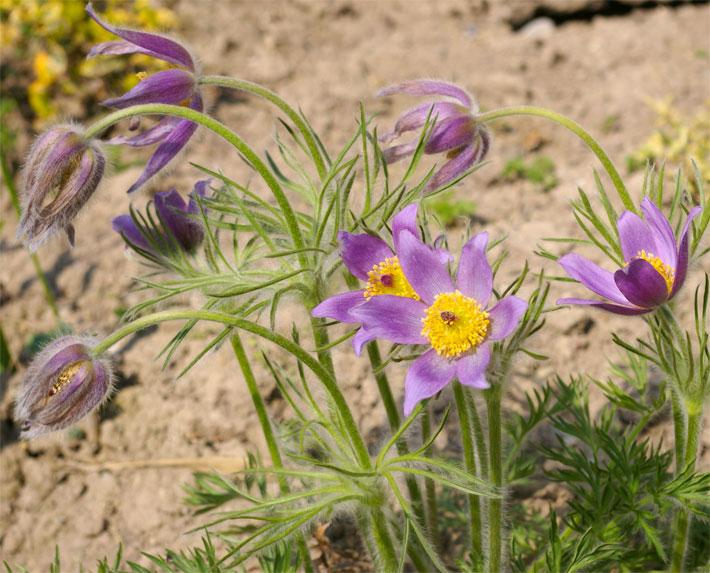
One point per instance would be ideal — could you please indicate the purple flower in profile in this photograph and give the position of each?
(451, 319)
(176, 86)
(62, 385)
(62, 172)
(654, 269)
(179, 229)
(455, 133)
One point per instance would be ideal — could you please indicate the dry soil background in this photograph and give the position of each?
(324, 57)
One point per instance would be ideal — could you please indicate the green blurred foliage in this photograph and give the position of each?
(448, 209)
(678, 140)
(541, 171)
(44, 48)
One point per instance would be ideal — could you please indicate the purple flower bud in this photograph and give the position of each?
(175, 87)
(62, 385)
(179, 230)
(455, 133)
(62, 172)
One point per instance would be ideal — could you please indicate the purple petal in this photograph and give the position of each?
(155, 45)
(444, 256)
(397, 152)
(592, 276)
(642, 284)
(475, 277)
(428, 87)
(168, 86)
(170, 147)
(682, 256)
(394, 318)
(422, 268)
(406, 219)
(615, 308)
(505, 316)
(155, 134)
(471, 368)
(416, 117)
(361, 338)
(452, 169)
(172, 211)
(124, 224)
(360, 253)
(339, 306)
(451, 134)
(635, 235)
(665, 246)
(118, 48)
(428, 374)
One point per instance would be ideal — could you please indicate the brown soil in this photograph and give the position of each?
(323, 57)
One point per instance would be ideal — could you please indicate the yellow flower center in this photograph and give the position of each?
(664, 270)
(387, 278)
(454, 324)
(64, 378)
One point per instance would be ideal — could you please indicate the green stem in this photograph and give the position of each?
(495, 517)
(10, 184)
(577, 130)
(289, 346)
(268, 431)
(479, 438)
(275, 99)
(228, 135)
(469, 454)
(432, 513)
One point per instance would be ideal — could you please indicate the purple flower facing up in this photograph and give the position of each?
(654, 269)
(450, 318)
(179, 230)
(176, 86)
(62, 172)
(62, 385)
(456, 133)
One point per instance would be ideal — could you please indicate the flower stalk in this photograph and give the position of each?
(496, 539)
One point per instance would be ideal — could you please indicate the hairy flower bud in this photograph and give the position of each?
(62, 171)
(62, 385)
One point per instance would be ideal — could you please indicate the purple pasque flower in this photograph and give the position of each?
(450, 318)
(176, 86)
(455, 133)
(62, 171)
(62, 385)
(179, 229)
(654, 269)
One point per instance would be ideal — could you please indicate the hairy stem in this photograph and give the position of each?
(474, 502)
(577, 130)
(432, 513)
(495, 505)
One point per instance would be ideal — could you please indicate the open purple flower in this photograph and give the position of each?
(654, 269)
(62, 385)
(451, 319)
(179, 230)
(62, 171)
(455, 133)
(176, 86)
(371, 260)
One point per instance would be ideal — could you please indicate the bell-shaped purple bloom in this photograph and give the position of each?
(62, 385)
(178, 229)
(62, 171)
(450, 318)
(456, 132)
(175, 87)
(654, 269)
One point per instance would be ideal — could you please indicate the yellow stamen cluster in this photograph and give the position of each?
(142, 75)
(663, 269)
(65, 377)
(455, 323)
(387, 278)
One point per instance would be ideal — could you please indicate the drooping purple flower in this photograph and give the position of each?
(456, 132)
(176, 86)
(62, 171)
(450, 318)
(179, 230)
(654, 269)
(62, 385)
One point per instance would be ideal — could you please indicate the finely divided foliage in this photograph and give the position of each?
(371, 266)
